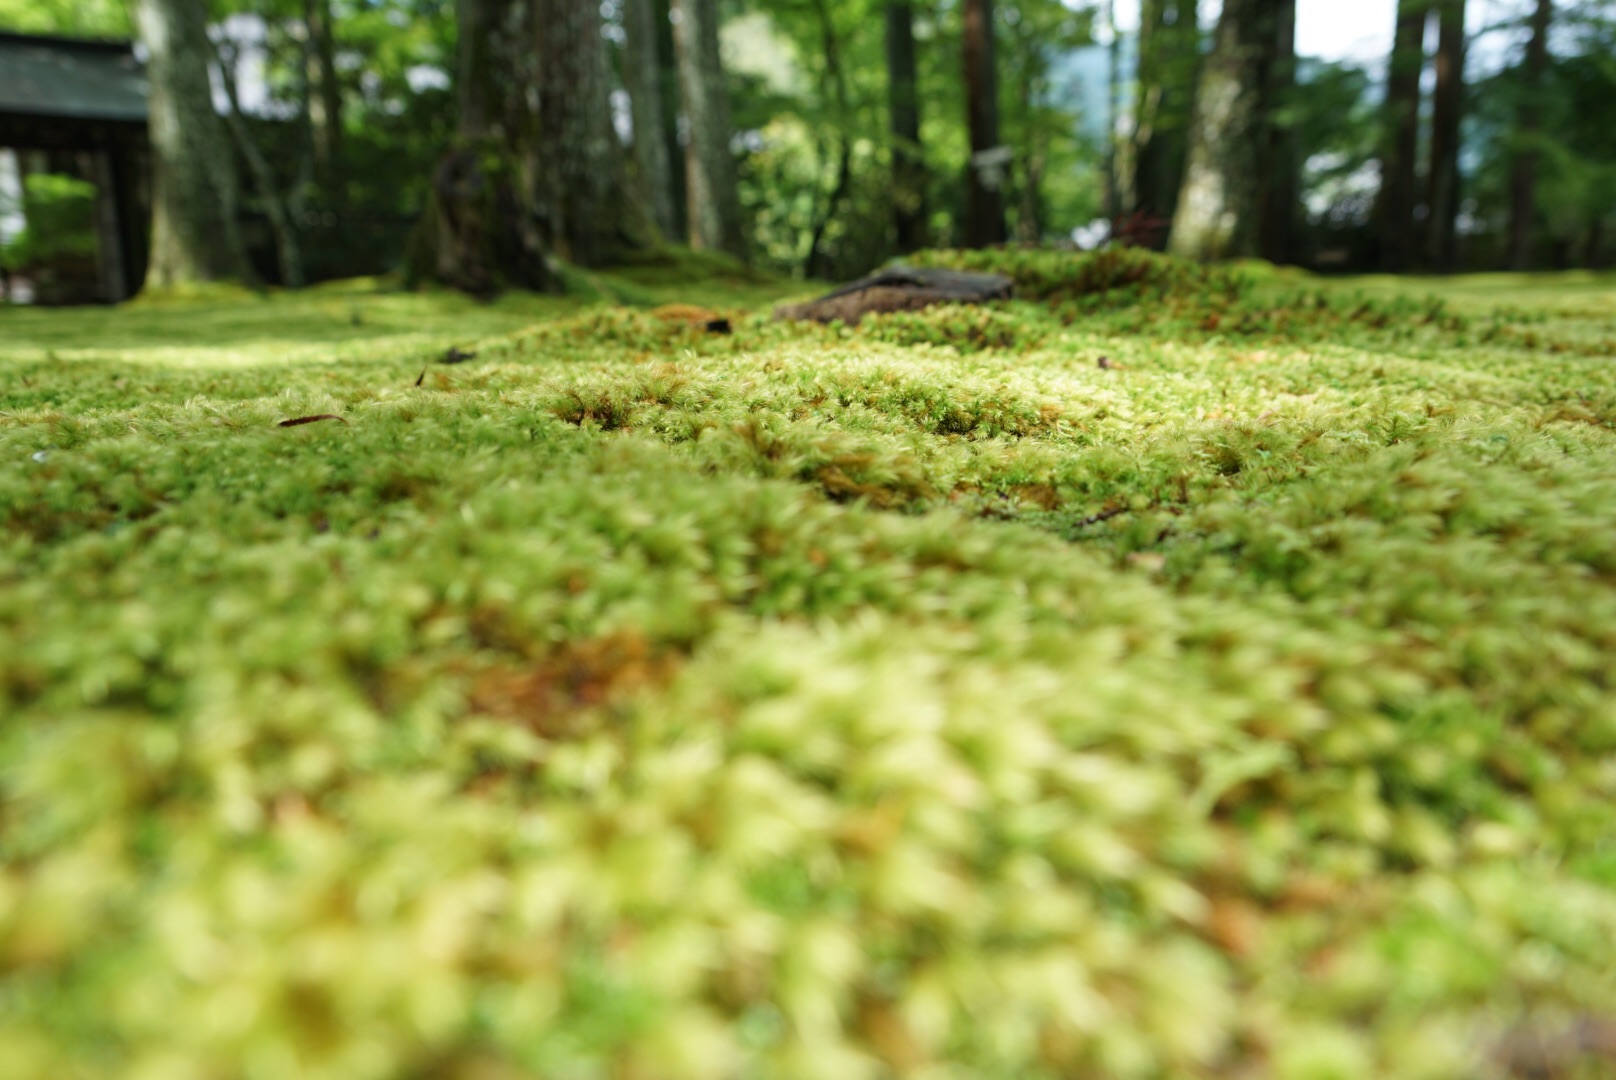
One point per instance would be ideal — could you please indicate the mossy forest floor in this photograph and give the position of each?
(1169, 674)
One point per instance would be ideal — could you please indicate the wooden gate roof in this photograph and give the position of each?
(71, 78)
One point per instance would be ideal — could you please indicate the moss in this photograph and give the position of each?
(805, 701)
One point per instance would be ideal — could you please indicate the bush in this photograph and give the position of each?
(60, 215)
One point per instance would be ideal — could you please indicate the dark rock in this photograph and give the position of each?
(900, 288)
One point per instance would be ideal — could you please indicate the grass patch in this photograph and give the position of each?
(1170, 673)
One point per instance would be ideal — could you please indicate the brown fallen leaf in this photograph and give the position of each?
(299, 420)
(1234, 926)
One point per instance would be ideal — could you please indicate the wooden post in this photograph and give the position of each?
(108, 236)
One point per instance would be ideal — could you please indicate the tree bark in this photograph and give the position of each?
(1447, 109)
(480, 231)
(578, 159)
(1169, 63)
(642, 77)
(1523, 177)
(1280, 193)
(1395, 207)
(667, 55)
(325, 98)
(903, 102)
(712, 201)
(195, 236)
(984, 175)
(477, 77)
(836, 89)
(288, 250)
(1113, 109)
(1219, 207)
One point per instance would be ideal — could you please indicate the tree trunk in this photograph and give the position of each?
(288, 250)
(1447, 109)
(478, 80)
(1220, 203)
(1280, 194)
(1401, 141)
(712, 202)
(195, 236)
(1523, 178)
(642, 76)
(1112, 167)
(1030, 211)
(667, 55)
(908, 157)
(836, 81)
(578, 159)
(1169, 63)
(325, 98)
(984, 175)
(479, 233)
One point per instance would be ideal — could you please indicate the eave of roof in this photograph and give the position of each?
(70, 77)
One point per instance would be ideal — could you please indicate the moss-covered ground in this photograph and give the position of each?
(1169, 674)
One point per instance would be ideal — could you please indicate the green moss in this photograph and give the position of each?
(630, 699)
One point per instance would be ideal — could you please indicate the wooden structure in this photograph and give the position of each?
(79, 107)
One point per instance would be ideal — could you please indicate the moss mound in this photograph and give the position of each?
(1063, 688)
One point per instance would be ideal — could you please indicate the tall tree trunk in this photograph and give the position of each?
(1030, 208)
(288, 249)
(712, 201)
(1113, 109)
(1169, 63)
(479, 233)
(578, 159)
(903, 102)
(1028, 61)
(325, 99)
(195, 236)
(667, 56)
(1401, 140)
(984, 177)
(1447, 109)
(1220, 203)
(1523, 178)
(642, 76)
(479, 82)
(1280, 194)
(836, 81)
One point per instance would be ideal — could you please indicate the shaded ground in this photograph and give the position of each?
(1158, 676)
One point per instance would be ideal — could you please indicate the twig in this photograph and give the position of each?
(1103, 515)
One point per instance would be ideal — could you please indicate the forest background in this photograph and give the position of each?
(820, 138)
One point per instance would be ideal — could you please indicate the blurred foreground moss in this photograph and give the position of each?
(1083, 687)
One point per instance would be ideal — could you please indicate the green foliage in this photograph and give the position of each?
(60, 216)
(83, 18)
(789, 102)
(1576, 167)
(631, 699)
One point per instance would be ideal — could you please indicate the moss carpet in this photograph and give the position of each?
(1168, 674)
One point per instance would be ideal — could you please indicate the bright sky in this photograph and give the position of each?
(1359, 30)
